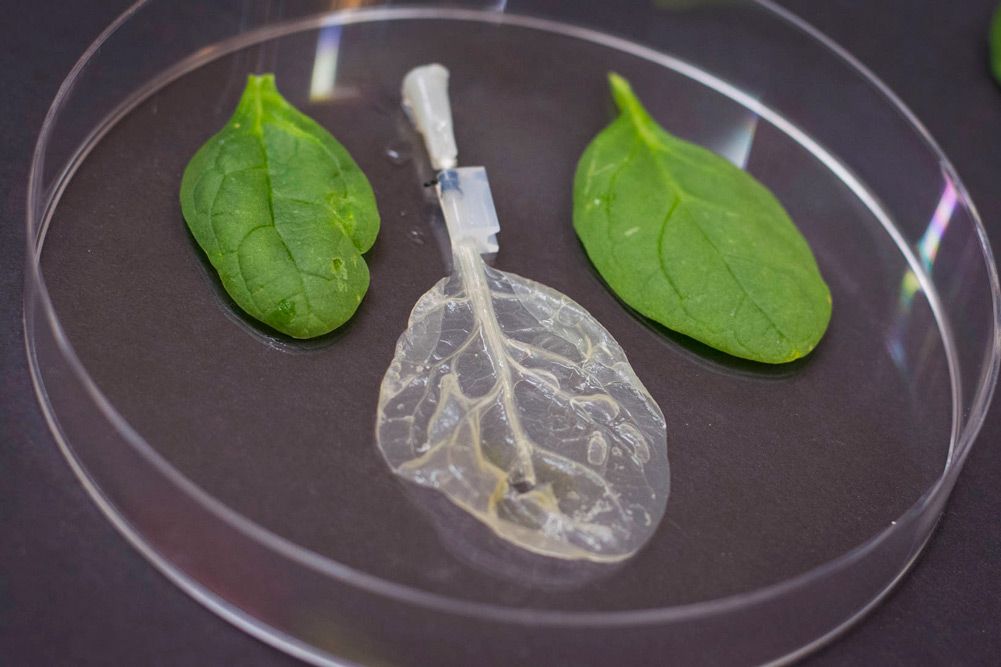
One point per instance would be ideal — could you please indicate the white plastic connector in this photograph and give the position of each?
(425, 99)
(468, 206)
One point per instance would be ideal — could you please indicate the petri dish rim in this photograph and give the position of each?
(963, 431)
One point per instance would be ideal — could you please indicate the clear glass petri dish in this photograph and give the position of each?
(243, 465)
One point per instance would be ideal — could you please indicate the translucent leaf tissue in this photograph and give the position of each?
(509, 397)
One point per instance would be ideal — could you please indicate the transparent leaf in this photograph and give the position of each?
(512, 400)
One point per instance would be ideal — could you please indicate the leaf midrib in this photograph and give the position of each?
(258, 133)
(648, 138)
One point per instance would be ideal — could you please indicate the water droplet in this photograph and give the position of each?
(416, 236)
(398, 153)
(597, 449)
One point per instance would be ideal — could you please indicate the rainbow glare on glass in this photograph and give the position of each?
(930, 240)
(927, 250)
(324, 79)
(736, 147)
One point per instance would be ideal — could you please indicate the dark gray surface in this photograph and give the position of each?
(72, 591)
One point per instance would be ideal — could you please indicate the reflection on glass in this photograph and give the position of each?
(736, 147)
(927, 250)
(928, 245)
(323, 82)
(328, 45)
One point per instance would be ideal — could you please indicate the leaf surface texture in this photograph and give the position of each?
(283, 214)
(695, 243)
(515, 402)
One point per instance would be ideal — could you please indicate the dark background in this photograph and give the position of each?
(83, 596)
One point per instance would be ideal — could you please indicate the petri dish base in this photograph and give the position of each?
(243, 464)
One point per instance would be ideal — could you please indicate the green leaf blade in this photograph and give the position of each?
(283, 213)
(694, 243)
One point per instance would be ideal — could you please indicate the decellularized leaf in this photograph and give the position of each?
(516, 403)
(283, 214)
(694, 243)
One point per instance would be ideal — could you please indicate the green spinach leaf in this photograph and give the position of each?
(695, 243)
(283, 214)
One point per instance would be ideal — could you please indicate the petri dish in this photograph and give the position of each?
(243, 465)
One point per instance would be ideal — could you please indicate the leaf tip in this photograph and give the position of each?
(626, 100)
(259, 87)
(622, 92)
(262, 82)
(617, 81)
